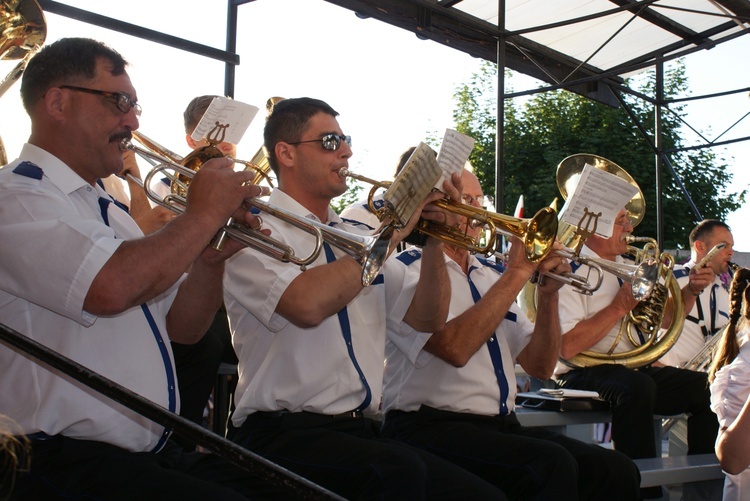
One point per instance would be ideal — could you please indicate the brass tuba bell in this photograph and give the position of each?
(22, 33)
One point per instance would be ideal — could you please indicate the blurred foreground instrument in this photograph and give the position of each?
(23, 30)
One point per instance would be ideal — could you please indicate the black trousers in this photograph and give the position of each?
(346, 456)
(526, 463)
(197, 365)
(67, 469)
(637, 395)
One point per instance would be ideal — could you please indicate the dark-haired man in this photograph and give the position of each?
(79, 276)
(311, 343)
(707, 300)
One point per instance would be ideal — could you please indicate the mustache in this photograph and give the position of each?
(118, 137)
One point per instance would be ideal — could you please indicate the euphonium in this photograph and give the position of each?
(642, 326)
(369, 250)
(651, 279)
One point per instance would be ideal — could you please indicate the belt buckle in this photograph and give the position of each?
(350, 414)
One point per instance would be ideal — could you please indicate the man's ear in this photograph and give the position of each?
(285, 153)
(56, 103)
(190, 141)
(700, 247)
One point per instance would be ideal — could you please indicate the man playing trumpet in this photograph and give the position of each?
(311, 343)
(451, 391)
(79, 276)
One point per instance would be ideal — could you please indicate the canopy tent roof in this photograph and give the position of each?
(570, 43)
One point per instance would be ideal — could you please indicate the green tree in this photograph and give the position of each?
(548, 127)
(349, 197)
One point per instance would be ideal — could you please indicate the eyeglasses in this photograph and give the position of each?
(482, 200)
(623, 222)
(122, 101)
(329, 141)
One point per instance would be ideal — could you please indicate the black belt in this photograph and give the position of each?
(350, 414)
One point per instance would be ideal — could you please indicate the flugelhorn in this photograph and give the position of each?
(538, 233)
(369, 250)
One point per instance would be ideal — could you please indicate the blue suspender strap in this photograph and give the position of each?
(495, 355)
(346, 331)
(103, 206)
(171, 385)
(712, 306)
(119, 204)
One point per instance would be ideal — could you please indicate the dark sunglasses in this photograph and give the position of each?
(329, 141)
(122, 101)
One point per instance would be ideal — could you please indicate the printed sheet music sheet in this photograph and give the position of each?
(453, 154)
(413, 183)
(598, 191)
(235, 116)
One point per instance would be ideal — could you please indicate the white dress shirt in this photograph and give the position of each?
(715, 309)
(575, 307)
(414, 377)
(360, 211)
(729, 391)
(53, 242)
(285, 367)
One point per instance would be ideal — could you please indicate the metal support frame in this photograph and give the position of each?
(661, 158)
(230, 451)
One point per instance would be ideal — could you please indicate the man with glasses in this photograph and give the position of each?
(636, 395)
(452, 391)
(311, 343)
(79, 276)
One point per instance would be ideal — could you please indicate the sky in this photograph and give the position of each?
(391, 89)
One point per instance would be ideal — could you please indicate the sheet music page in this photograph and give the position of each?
(413, 183)
(598, 191)
(453, 154)
(235, 116)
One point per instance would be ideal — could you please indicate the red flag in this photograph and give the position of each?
(519, 207)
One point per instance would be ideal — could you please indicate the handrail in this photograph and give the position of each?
(230, 451)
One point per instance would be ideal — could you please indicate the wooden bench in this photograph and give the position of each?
(533, 417)
(577, 424)
(674, 470)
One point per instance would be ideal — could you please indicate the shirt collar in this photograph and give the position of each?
(283, 201)
(59, 173)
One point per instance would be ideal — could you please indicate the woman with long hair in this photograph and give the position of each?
(729, 377)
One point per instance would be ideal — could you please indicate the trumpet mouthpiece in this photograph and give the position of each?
(343, 172)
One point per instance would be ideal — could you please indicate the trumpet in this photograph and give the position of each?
(538, 233)
(369, 250)
(710, 255)
(580, 284)
(258, 164)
